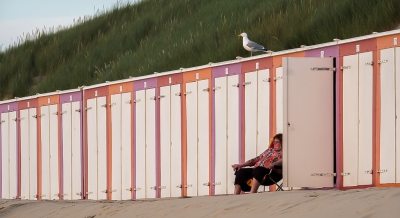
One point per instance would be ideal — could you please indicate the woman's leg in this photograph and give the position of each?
(258, 176)
(238, 189)
(242, 176)
(254, 186)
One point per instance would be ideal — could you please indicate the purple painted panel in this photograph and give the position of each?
(11, 106)
(71, 97)
(226, 70)
(333, 51)
(145, 84)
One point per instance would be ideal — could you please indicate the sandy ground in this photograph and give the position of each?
(370, 202)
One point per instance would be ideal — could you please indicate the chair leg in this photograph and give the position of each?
(279, 186)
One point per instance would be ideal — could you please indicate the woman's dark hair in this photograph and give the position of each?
(278, 136)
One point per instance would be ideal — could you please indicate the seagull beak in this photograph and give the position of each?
(239, 35)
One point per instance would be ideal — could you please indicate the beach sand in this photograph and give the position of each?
(370, 202)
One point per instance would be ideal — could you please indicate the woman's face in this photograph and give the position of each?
(277, 145)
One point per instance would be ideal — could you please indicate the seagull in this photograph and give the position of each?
(250, 45)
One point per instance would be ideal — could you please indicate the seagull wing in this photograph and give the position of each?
(255, 47)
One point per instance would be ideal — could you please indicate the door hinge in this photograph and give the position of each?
(345, 67)
(323, 174)
(324, 68)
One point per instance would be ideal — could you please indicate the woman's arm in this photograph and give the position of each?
(250, 162)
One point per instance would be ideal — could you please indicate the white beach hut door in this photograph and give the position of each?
(388, 117)
(226, 132)
(308, 118)
(126, 146)
(203, 134)
(256, 113)
(250, 123)
(165, 140)
(28, 136)
(9, 155)
(197, 118)
(116, 146)
(350, 120)
(151, 183)
(121, 146)
(221, 100)
(365, 117)
(397, 65)
(279, 99)
(76, 151)
(140, 151)
(72, 159)
(192, 138)
(357, 119)
(66, 146)
(97, 141)
(92, 149)
(49, 146)
(389, 63)
(170, 140)
(146, 184)
(176, 141)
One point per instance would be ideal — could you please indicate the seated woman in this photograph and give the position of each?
(262, 166)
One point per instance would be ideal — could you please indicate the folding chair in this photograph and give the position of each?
(273, 177)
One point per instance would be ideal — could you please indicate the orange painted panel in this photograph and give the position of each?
(48, 100)
(389, 41)
(364, 46)
(191, 75)
(120, 88)
(277, 60)
(263, 63)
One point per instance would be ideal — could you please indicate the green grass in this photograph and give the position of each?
(163, 35)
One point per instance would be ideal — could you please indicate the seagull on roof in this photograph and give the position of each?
(250, 45)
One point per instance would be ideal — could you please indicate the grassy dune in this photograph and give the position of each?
(162, 35)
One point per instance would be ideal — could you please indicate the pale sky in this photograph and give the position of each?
(17, 17)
